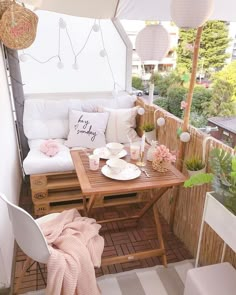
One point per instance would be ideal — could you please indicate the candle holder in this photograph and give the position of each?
(141, 162)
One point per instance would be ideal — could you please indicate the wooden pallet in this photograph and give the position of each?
(55, 192)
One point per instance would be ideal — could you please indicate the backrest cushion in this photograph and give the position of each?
(121, 125)
(49, 118)
(87, 129)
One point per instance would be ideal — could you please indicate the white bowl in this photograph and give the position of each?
(114, 148)
(116, 165)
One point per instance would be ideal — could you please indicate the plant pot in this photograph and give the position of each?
(160, 166)
(191, 173)
(151, 135)
(220, 219)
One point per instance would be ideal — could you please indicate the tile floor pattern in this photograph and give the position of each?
(121, 238)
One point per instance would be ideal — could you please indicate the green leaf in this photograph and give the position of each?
(199, 179)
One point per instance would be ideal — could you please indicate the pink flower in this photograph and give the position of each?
(163, 154)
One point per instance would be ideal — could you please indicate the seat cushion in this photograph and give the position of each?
(37, 162)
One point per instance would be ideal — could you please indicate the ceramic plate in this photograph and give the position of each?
(104, 153)
(130, 172)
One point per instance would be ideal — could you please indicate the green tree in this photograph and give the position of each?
(228, 74)
(175, 95)
(137, 82)
(221, 103)
(214, 42)
(163, 83)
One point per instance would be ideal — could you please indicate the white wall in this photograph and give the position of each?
(10, 176)
(93, 73)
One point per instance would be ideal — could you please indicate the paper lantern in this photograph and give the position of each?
(185, 137)
(191, 14)
(152, 43)
(161, 121)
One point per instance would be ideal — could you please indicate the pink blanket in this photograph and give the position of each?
(76, 248)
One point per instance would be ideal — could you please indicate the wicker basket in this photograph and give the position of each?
(18, 27)
(4, 4)
(159, 166)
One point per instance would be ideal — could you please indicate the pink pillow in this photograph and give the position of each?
(49, 147)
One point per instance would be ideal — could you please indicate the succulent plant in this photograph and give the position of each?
(194, 164)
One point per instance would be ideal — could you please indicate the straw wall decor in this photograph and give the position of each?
(4, 4)
(18, 27)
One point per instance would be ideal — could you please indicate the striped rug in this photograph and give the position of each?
(155, 280)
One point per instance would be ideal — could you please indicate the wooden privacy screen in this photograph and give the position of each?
(191, 201)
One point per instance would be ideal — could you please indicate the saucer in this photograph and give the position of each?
(105, 154)
(131, 171)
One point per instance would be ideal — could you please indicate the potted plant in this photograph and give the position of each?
(194, 165)
(150, 132)
(222, 177)
(162, 158)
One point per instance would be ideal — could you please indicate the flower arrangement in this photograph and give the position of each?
(162, 156)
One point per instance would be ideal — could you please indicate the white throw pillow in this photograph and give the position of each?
(87, 129)
(121, 125)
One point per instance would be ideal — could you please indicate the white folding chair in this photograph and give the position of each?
(28, 236)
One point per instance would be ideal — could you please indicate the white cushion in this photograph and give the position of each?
(217, 279)
(121, 125)
(49, 118)
(87, 129)
(37, 162)
(45, 119)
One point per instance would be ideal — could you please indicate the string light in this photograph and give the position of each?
(185, 137)
(96, 27)
(103, 53)
(161, 121)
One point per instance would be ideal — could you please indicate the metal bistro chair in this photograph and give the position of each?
(29, 237)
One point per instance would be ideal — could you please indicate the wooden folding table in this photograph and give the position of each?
(95, 185)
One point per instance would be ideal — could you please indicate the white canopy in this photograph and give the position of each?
(128, 9)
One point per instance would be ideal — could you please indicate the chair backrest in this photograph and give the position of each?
(27, 233)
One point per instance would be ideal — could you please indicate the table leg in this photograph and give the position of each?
(90, 204)
(159, 234)
(154, 198)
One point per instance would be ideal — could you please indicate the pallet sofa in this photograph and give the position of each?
(54, 184)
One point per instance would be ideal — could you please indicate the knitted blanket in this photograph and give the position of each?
(76, 248)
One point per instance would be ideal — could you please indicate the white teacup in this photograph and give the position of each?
(116, 165)
(114, 148)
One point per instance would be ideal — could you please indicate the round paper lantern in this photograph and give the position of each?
(191, 13)
(161, 121)
(185, 137)
(152, 43)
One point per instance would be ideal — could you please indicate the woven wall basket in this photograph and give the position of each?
(18, 27)
(4, 4)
